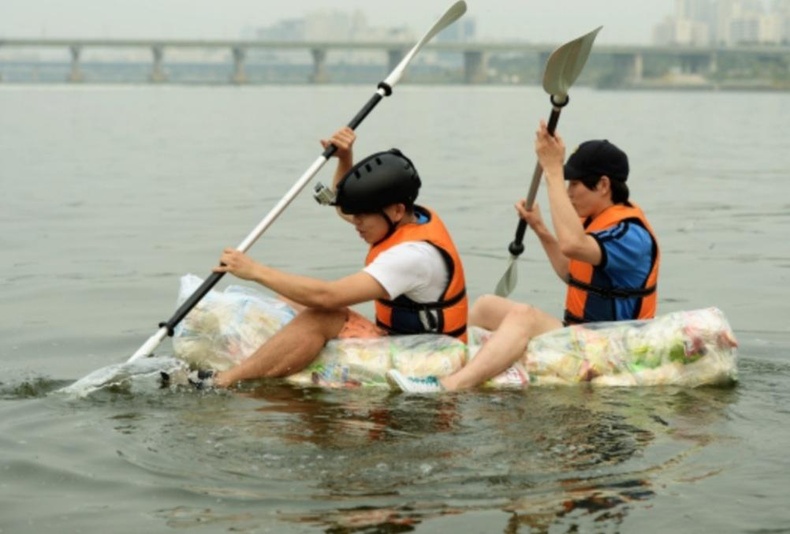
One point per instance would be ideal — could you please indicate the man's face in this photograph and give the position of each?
(370, 226)
(585, 202)
(373, 227)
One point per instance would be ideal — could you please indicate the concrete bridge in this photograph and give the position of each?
(629, 60)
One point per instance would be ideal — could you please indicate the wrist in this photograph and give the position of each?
(554, 172)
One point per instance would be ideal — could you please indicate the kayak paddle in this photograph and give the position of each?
(562, 68)
(384, 89)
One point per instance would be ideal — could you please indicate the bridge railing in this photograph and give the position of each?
(628, 58)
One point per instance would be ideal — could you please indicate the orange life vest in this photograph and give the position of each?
(446, 316)
(581, 275)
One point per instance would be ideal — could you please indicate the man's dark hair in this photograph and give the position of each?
(620, 192)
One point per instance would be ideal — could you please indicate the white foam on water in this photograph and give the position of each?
(128, 375)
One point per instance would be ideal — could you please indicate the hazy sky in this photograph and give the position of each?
(624, 21)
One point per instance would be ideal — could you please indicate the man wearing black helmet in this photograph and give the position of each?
(413, 271)
(604, 249)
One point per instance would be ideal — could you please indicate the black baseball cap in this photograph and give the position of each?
(596, 158)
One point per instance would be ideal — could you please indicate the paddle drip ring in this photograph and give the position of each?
(558, 104)
(387, 88)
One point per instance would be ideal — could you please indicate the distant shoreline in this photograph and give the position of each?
(723, 86)
(16, 73)
(711, 87)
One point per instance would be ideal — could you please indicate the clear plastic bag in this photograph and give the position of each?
(365, 362)
(685, 348)
(225, 327)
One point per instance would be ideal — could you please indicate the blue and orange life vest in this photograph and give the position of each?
(448, 315)
(585, 279)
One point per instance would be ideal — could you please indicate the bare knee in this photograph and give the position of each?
(328, 323)
(488, 311)
(480, 312)
(529, 320)
(521, 312)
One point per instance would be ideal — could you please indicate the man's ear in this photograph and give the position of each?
(401, 211)
(605, 184)
(397, 212)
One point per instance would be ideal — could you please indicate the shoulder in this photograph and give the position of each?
(626, 229)
(407, 267)
(411, 251)
(625, 245)
(418, 257)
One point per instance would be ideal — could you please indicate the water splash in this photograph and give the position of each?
(138, 376)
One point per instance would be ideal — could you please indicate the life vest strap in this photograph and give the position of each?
(612, 292)
(570, 319)
(408, 304)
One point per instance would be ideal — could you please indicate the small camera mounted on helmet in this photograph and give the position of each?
(323, 195)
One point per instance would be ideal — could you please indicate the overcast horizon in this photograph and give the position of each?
(530, 20)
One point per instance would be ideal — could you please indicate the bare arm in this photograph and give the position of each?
(551, 246)
(572, 240)
(304, 290)
(343, 139)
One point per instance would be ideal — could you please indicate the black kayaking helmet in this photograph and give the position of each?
(381, 179)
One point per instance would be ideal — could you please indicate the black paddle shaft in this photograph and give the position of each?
(212, 280)
(366, 109)
(191, 302)
(517, 246)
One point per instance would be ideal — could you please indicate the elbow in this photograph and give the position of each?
(571, 249)
(325, 299)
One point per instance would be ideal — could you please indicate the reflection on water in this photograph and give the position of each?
(375, 461)
(372, 461)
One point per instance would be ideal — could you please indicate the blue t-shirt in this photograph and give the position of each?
(627, 257)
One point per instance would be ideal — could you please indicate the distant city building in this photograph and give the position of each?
(725, 22)
(330, 25)
(463, 31)
(682, 31)
(334, 25)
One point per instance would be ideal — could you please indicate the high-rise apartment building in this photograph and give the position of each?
(725, 22)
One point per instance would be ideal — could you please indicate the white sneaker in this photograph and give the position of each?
(413, 384)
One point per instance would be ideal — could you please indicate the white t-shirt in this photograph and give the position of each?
(414, 268)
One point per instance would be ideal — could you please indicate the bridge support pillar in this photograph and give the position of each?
(697, 64)
(543, 59)
(630, 67)
(320, 72)
(394, 57)
(75, 74)
(475, 67)
(239, 75)
(158, 74)
(713, 64)
(638, 67)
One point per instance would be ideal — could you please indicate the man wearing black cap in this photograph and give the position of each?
(603, 248)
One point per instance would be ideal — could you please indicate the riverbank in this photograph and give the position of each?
(207, 74)
(701, 83)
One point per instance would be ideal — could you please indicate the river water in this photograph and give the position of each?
(111, 193)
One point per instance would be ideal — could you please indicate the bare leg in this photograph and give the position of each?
(488, 311)
(290, 350)
(518, 324)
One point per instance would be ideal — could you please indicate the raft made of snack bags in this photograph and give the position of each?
(684, 348)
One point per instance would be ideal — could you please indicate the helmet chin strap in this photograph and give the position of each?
(390, 223)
